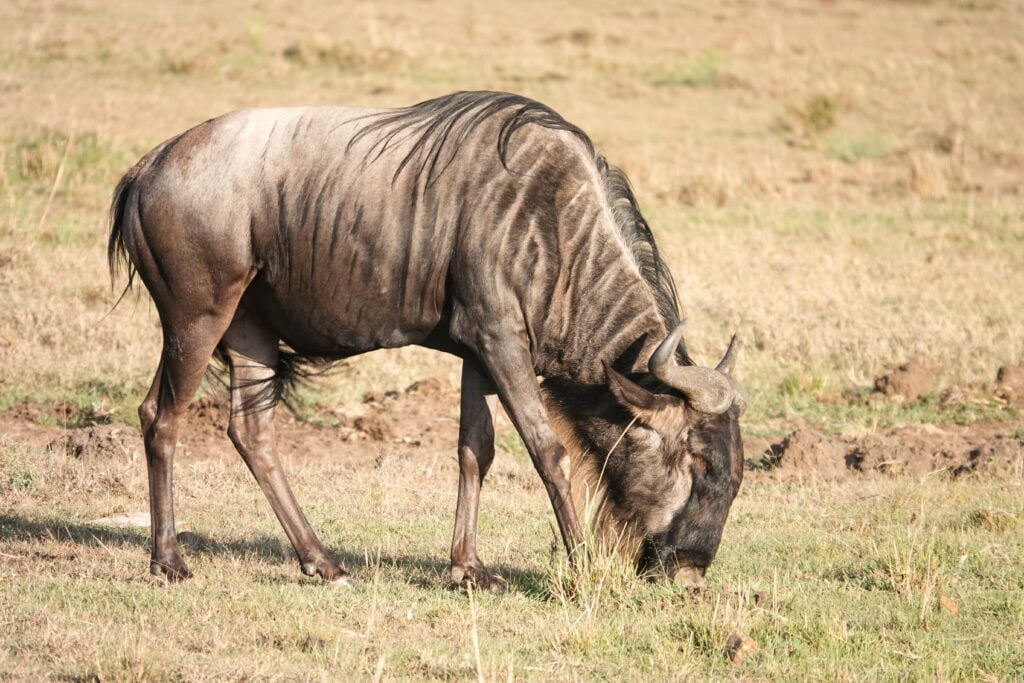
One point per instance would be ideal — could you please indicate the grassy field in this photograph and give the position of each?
(833, 581)
(839, 181)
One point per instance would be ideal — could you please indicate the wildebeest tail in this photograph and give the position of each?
(117, 253)
(293, 372)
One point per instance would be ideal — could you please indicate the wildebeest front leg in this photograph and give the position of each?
(511, 369)
(476, 453)
(252, 354)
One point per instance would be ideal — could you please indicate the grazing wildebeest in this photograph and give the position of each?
(482, 224)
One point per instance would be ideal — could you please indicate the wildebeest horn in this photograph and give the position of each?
(728, 361)
(707, 390)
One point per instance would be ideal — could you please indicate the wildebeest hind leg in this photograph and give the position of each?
(252, 353)
(189, 340)
(476, 452)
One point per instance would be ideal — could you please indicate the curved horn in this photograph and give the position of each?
(728, 361)
(707, 390)
(662, 360)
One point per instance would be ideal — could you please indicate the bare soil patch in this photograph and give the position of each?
(909, 382)
(986, 449)
(424, 418)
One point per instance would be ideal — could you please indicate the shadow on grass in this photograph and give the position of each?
(415, 571)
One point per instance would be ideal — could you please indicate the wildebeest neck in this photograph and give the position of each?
(611, 297)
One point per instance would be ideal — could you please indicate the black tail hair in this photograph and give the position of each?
(294, 371)
(117, 253)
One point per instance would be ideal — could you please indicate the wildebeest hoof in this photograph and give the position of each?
(479, 578)
(174, 570)
(325, 568)
(342, 582)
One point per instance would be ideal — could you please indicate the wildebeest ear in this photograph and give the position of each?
(664, 413)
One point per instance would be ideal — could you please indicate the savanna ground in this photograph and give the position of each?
(839, 181)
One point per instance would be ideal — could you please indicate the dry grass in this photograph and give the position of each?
(839, 181)
(831, 581)
(845, 211)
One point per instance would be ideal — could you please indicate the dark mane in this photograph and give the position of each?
(638, 236)
(440, 126)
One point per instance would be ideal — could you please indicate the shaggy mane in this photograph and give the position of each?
(440, 126)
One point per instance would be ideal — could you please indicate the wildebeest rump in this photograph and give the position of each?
(480, 224)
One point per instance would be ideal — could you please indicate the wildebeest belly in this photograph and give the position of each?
(345, 289)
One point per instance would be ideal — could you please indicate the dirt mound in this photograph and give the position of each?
(425, 415)
(908, 382)
(421, 415)
(807, 450)
(1010, 383)
(99, 441)
(995, 450)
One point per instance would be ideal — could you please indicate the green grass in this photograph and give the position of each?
(850, 148)
(510, 442)
(85, 160)
(832, 581)
(855, 409)
(704, 70)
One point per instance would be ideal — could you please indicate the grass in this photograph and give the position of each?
(839, 278)
(701, 71)
(849, 149)
(845, 212)
(830, 580)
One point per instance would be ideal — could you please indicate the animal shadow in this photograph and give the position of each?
(421, 572)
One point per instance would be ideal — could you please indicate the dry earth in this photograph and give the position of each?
(422, 421)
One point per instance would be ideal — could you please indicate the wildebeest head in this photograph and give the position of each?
(668, 452)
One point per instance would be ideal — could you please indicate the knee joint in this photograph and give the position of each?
(247, 440)
(160, 436)
(238, 435)
(553, 464)
(147, 413)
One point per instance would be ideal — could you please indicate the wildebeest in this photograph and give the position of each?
(481, 224)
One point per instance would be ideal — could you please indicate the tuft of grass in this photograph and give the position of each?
(979, 5)
(600, 578)
(323, 51)
(992, 519)
(815, 115)
(184, 64)
(849, 149)
(33, 158)
(705, 70)
(18, 474)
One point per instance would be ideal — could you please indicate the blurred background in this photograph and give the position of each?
(840, 181)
